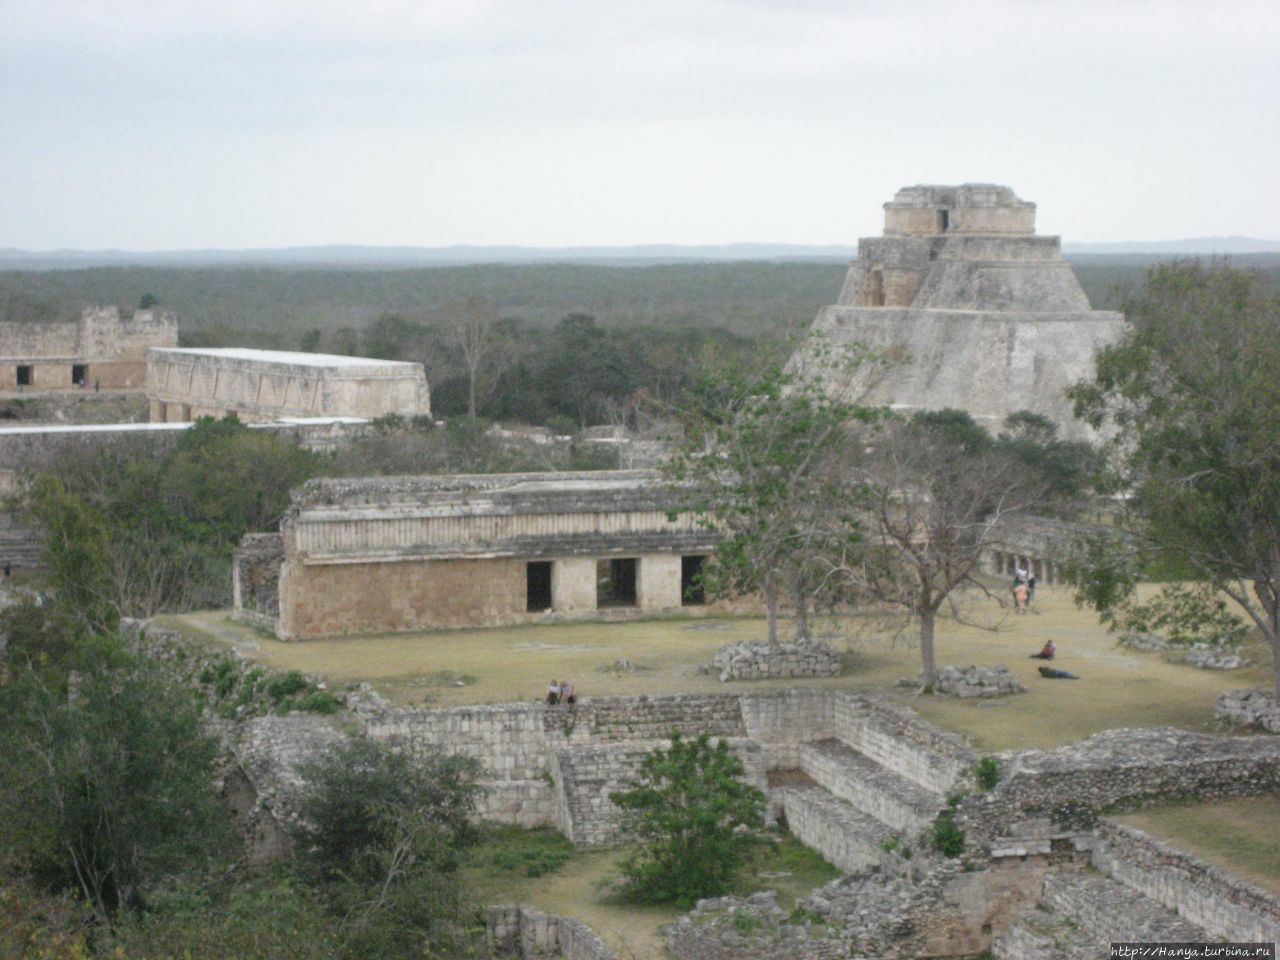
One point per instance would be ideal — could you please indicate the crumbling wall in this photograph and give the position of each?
(255, 578)
(1067, 787)
(1224, 905)
(512, 930)
(902, 741)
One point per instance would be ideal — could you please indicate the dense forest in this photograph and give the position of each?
(574, 343)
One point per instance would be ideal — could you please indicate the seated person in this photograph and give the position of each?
(1051, 674)
(553, 693)
(1046, 652)
(567, 694)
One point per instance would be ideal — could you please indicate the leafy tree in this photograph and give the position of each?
(754, 457)
(147, 301)
(382, 836)
(76, 549)
(696, 821)
(1192, 398)
(108, 785)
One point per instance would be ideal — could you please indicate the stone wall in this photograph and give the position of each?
(903, 742)
(758, 661)
(1225, 906)
(969, 682)
(319, 600)
(111, 350)
(255, 578)
(512, 930)
(1065, 788)
(270, 384)
(1255, 707)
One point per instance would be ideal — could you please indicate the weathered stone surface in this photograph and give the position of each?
(967, 682)
(966, 309)
(1070, 785)
(758, 661)
(105, 349)
(1209, 656)
(1199, 892)
(1254, 707)
(413, 553)
(269, 384)
(514, 930)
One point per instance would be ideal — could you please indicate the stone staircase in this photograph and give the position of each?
(1082, 914)
(856, 811)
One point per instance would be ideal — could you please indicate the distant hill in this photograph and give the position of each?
(1193, 245)
(380, 258)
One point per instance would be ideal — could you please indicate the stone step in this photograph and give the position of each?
(847, 839)
(901, 804)
(1041, 935)
(1105, 910)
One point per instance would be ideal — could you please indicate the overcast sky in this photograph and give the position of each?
(221, 123)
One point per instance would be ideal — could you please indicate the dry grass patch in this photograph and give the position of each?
(1117, 688)
(1241, 836)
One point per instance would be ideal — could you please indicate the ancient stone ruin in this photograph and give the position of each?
(183, 384)
(100, 349)
(963, 306)
(417, 553)
(862, 781)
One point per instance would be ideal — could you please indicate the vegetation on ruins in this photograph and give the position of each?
(134, 534)
(1192, 396)
(696, 822)
(114, 841)
(108, 787)
(381, 837)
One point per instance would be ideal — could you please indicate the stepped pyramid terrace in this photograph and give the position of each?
(963, 306)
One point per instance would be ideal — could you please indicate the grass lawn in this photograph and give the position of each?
(577, 882)
(1241, 836)
(1117, 687)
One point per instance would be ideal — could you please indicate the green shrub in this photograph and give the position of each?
(945, 835)
(317, 701)
(696, 821)
(286, 686)
(987, 772)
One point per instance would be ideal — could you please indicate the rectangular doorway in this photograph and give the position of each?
(79, 374)
(692, 591)
(537, 586)
(24, 376)
(616, 582)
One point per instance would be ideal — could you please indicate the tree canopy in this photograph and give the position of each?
(1191, 398)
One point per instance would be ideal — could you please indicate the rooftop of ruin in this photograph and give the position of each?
(974, 209)
(289, 357)
(590, 491)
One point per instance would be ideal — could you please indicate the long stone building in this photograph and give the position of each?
(418, 553)
(268, 384)
(961, 305)
(100, 349)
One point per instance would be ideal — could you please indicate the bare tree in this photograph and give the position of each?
(472, 327)
(933, 492)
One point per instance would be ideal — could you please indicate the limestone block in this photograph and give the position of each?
(573, 585)
(658, 582)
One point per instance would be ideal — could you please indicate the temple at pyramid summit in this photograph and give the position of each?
(961, 305)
